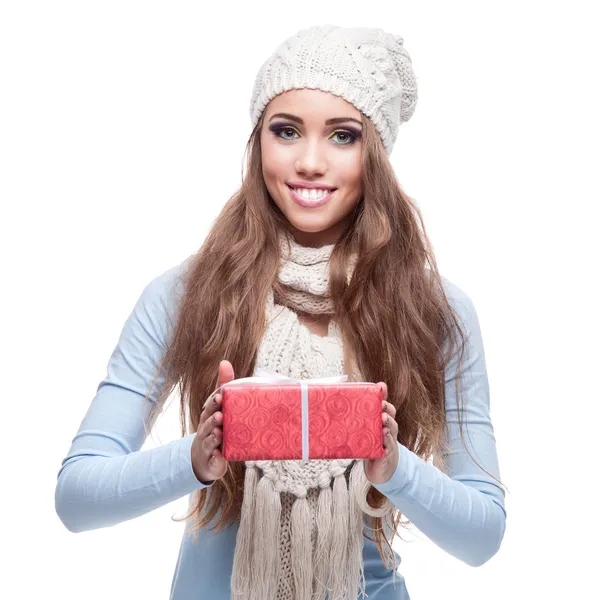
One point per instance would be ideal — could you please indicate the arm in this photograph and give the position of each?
(105, 478)
(463, 513)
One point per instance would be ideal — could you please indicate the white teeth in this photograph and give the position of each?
(312, 194)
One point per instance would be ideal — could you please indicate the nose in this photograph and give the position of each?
(311, 159)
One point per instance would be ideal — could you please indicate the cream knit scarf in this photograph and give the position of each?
(301, 529)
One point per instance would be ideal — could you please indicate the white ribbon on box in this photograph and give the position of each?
(272, 377)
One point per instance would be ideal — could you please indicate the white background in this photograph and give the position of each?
(122, 131)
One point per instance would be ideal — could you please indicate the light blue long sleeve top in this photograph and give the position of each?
(106, 478)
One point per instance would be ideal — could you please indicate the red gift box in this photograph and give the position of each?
(294, 421)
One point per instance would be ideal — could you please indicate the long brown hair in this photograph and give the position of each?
(396, 322)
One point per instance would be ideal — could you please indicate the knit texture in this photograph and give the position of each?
(367, 67)
(304, 272)
(301, 528)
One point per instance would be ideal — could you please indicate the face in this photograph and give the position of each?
(312, 139)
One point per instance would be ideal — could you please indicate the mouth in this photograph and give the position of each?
(311, 202)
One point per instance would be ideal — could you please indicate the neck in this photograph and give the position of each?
(304, 272)
(317, 239)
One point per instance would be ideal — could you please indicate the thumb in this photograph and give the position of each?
(226, 373)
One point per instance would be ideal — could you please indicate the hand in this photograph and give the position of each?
(379, 470)
(207, 460)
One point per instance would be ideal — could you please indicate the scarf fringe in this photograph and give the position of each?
(302, 548)
(356, 574)
(265, 555)
(242, 573)
(323, 522)
(339, 537)
(337, 569)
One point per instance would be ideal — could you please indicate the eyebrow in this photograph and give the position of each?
(328, 122)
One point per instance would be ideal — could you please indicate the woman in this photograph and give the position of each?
(318, 265)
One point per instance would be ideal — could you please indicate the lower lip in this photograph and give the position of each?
(308, 203)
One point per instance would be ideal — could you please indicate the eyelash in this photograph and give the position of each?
(354, 135)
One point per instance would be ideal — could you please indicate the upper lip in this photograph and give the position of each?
(305, 184)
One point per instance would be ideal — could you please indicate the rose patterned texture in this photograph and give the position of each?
(264, 422)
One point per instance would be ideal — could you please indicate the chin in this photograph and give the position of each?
(311, 225)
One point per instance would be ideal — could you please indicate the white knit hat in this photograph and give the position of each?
(367, 67)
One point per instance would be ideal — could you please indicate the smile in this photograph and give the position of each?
(310, 198)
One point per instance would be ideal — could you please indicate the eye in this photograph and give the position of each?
(277, 130)
(349, 136)
(345, 136)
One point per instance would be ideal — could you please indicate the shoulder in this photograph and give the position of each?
(455, 294)
(159, 300)
(167, 286)
(461, 302)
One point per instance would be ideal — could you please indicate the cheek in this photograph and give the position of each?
(271, 178)
(350, 170)
(273, 162)
(353, 186)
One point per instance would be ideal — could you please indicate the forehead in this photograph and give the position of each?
(311, 105)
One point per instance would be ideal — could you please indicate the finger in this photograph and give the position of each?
(384, 390)
(390, 428)
(216, 466)
(386, 437)
(217, 460)
(217, 463)
(389, 437)
(214, 421)
(389, 421)
(212, 440)
(211, 406)
(389, 408)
